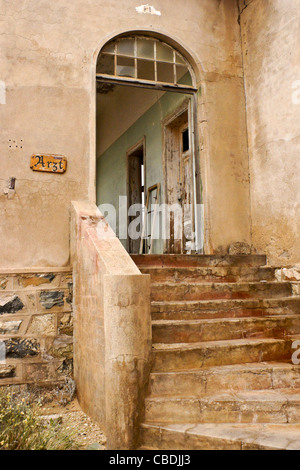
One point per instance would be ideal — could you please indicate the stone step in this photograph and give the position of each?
(262, 406)
(233, 308)
(238, 377)
(217, 291)
(198, 260)
(182, 356)
(194, 331)
(210, 274)
(220, 436)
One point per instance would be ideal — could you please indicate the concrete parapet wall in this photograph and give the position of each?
(112, 334)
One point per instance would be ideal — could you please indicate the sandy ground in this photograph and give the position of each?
(86, 434)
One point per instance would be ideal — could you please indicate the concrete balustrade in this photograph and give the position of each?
(112, 327)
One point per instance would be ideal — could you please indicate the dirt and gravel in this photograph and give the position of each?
(86, 434)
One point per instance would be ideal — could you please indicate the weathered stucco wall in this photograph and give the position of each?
(271, 51)
(48, 58)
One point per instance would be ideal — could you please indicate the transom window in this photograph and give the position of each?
(144, 59)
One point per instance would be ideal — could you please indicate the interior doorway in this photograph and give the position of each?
(136, 190)
(146, 142)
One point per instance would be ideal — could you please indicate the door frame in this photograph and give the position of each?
(189, 106)
(195, 142)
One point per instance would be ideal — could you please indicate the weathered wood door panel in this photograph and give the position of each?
(179, 181)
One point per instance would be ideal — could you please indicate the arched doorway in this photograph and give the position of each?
(148, 166)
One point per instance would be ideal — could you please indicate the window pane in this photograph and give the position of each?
(183, 76)
(164, 52)
(165, 72)
(109, 48)
(179, 59)
(126, 47)
(146, 69)
(106, 64)
(125, 67)
(145, 48)
(185, 141)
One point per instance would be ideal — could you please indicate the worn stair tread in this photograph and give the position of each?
(216, 321)
(216, 329)
(238, 377)
(225, 274)
(227, 303)
(259, 396)
(225, 308)
(205, 268)
(183, 356)
(173, 260)
(209, 344)
(220, 290)
(221, 284)
(225, 436)
(247, 367)
(256, 406)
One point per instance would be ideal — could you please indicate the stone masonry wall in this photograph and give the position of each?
(36, 326)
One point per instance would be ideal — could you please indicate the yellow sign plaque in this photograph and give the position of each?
(49, 163)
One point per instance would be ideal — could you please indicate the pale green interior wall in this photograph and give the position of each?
(111, 165)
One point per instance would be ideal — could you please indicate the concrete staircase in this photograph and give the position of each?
(222, 375)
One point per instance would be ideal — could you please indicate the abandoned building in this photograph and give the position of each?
(150, 215)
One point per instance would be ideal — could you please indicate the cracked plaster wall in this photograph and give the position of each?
(271, 54)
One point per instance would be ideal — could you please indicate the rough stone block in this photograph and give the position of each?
(10, 304)
(35, 280)
(19, 348)
(62, 347)
(65, 324)
(9, 327)
(7, 371)
(42, 325)
(50, 299)
(42, 372)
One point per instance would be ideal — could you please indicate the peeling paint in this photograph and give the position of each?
(2, 93)
(148, 9)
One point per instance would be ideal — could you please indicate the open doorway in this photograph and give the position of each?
(145, 144)
(136, 190)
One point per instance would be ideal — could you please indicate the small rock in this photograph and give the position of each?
(52, 419)
(95, 446)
